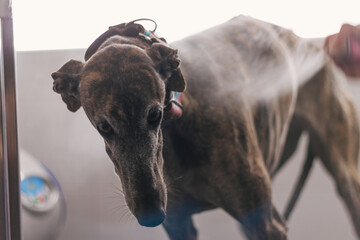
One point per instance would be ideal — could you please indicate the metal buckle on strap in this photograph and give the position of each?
(143, 19)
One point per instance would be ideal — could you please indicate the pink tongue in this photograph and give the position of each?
(354, 49)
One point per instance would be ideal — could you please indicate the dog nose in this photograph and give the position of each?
(151, 218)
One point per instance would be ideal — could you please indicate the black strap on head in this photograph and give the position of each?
(124, 29)
(130, 29)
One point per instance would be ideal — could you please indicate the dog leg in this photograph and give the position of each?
(291, 144)
(178, 222)
(296, 130)
(264, 223)
(242, 185)
(341, 163)
(252, 205)
(340, 159)
(348, 186)
(300, 182)
(334, 133)
(180, 227)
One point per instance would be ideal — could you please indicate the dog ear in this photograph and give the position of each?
(167, 63)
(66, 82)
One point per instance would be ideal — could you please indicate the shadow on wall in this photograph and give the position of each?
(68, 144)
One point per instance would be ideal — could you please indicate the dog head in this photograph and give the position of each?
(122, 89)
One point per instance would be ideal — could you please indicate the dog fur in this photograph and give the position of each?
(234, 134)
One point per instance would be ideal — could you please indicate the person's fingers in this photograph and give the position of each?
(344, 49)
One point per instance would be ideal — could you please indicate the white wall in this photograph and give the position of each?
(73, 150)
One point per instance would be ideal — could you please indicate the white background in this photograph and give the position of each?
(50, 24)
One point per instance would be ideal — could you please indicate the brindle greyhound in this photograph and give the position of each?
(230, 139)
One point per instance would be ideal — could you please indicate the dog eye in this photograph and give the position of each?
(104, 128)
(154, 116)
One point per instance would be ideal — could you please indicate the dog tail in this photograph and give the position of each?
(300, 182)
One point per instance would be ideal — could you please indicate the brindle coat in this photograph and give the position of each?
(230, 139)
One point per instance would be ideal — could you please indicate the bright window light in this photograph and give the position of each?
(50, 24)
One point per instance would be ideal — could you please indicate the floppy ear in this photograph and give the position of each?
(167, 63)
(66, 82)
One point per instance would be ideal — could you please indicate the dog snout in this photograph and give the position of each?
(151, 217)
(150, 204)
